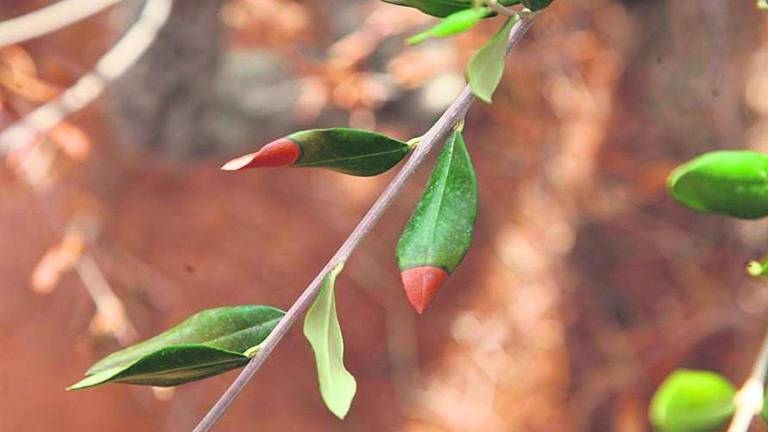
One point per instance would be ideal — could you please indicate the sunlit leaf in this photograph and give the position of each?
(453, 24)
(692, 401)
(733, 183)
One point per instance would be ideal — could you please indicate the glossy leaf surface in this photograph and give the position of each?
(210, 342)
(439, 232)
(692, 401)
(733, 183)
(350, 151)
(453, 24)
(486, 67)
(322, 330)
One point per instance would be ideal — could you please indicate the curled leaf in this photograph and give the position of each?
(439, 233)
(322, 330)
(692, 401)
(350, 151)
(733, 183)
(207, 343)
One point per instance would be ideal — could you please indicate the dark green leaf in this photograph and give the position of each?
(733, 183)
(321, 327)
(486, 67)
(169, 366)
(439, 232)
(535, 5)
(351, 151)
(455, 23)
(692, 401)
(443, 8)
(207, 343)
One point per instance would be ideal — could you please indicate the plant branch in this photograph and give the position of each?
(749, 398)
(124, 54)
(49, 19)
(435, 135)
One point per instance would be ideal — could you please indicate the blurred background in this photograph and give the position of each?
(585, 286)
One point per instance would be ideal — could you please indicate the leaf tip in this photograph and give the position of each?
(279, 153)
(417, 39)
(421, 284)
(238, 163)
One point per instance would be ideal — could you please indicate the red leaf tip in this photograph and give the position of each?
(421, 284)
(279, 153)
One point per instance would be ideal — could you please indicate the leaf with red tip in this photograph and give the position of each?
(421, 284)
(279, 153)
(439, 232)
(350, 151)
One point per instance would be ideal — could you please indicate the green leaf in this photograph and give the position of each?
(207, 343)
(443, 8)
(692, 401)
(439, 233)
(321, 327)
(762, 5)
(733, 183)
(455, 23)
(535, 5)
(486, 66)
(350, 151)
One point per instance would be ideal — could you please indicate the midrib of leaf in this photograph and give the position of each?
(110, 373)
(441, 199)
(165, 372)
(370, 155)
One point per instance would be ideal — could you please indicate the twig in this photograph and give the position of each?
(108, 305)
(112, 65)
(49, 19)
(749, 398)
(436, 134)
(501, 9)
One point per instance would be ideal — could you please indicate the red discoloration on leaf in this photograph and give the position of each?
(421, 284)
(279, 153)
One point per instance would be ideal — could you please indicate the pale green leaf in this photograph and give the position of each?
(321, 327)
(487, 65)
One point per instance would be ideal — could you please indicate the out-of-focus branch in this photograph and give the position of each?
(430, 140)
(108, 306)
(749, 398)
(115, 62)
(49, 19)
